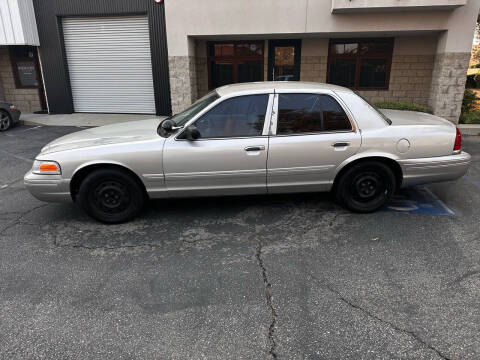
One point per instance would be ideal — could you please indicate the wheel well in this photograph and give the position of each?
(392, 164)
(3, 111)
(80, 175)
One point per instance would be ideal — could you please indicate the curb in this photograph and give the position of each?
(469, 129)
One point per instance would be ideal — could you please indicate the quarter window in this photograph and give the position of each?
(235, 117)
(309, 113)
(360, 64)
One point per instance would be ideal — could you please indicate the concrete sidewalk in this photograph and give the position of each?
(82, 119)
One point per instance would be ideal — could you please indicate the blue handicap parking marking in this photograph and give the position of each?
(418, 200)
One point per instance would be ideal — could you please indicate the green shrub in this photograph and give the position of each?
(401, 105)
(471, 84)
(469, 99)
(470, 118)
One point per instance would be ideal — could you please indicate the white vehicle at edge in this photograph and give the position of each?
(251, 138)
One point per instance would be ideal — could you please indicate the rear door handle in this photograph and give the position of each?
(255, 148)
(341, 144)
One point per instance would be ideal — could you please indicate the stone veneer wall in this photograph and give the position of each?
(448, 85)
(202, 76)
(313, 68)
(183, 81)
(410, 80)
(27, 100)
(410, 77)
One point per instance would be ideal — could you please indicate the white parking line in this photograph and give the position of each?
(3, 187)
(33, 128)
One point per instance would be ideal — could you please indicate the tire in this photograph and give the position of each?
(5, 121)
(366, 187)
(111, 196)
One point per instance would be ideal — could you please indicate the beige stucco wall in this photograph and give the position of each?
(277, 18)
(27, 100)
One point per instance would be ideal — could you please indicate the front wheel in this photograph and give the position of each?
(5, 121)
(111, 196)
(366, 187)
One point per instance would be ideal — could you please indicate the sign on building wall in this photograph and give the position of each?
(27, 75)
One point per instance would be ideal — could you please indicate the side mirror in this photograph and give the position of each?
(167, 125)
(192, 133)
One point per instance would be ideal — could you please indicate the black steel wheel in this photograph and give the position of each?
(111, 195)
(366, 187)
(5, 121)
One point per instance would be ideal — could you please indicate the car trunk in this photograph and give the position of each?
(400, 117)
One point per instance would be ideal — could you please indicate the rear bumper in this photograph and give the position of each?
(15, 114)
(51, 188)
(441, 168)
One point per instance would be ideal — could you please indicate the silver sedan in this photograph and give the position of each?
(255, 138)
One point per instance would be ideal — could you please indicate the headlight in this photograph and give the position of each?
(46, 168)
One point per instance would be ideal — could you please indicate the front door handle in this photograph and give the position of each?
(341, 144)
(255, 148)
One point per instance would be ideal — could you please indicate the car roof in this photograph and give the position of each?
(277, 85)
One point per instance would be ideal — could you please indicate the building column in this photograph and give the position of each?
(448, 84)
(451, 62)
(183, 78)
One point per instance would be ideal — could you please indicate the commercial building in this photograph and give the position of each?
(158, 56)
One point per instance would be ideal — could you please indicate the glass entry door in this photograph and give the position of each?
(284, 60)
(235, 62)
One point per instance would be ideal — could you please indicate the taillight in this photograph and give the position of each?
(458, 142)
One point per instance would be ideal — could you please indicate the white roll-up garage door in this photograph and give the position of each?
(109, 64)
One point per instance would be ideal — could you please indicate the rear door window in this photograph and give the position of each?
(310, 113)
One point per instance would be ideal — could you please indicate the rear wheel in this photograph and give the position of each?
(5, 121)
(366, 187)
(111, 196)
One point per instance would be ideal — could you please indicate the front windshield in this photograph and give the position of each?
(384, 117)
(181, 118)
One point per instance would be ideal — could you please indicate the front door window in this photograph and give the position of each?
(236, 117)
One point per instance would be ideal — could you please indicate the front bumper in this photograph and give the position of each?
(51, 188)
(435, 169)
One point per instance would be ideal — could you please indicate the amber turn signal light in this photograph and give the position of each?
(46, 168)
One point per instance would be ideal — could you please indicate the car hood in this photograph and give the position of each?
(106, 135)
(402, 117)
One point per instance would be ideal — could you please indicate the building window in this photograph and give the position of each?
(232, 62)
(360, 64)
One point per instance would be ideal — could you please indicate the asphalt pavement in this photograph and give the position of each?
(266, 277)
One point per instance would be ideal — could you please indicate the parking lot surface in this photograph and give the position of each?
(287, 277)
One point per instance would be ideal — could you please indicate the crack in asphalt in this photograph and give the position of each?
(19, 218)
(463, 277)
(379, 319)
(123, 246)
(268, 297)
